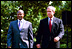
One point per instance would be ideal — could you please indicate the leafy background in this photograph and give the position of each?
(34, 12)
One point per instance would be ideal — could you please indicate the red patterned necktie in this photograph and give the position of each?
(50, 25)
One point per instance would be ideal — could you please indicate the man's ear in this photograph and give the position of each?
(23, 14)
(54, 12)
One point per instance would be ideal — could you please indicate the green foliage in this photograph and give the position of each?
(34, 12)
(63, 46)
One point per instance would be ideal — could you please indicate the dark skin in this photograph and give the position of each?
(20, 14)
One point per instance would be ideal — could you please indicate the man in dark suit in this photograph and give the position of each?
(20, 34)
(50, 31)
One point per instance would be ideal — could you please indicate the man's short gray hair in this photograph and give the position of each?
(51, 7)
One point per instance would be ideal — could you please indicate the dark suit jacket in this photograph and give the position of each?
(14, 38)
(45, 37)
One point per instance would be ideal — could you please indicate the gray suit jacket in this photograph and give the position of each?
(17, 39)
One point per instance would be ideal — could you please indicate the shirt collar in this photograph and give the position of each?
(51, 18)
(20, 20)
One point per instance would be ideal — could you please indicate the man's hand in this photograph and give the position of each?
(56, 39)
(8, 47)
(38, 46)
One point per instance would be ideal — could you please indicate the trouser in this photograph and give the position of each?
(54, 44)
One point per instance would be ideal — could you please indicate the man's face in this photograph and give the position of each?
(20, 15)
(50, 13)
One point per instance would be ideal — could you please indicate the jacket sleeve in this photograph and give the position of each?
(30, 36)
(9, 35)
(39, 34)
(61, 29)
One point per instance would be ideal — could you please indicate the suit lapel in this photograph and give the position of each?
(53, 25)
(24, 23)
(17, 24)
(47, 23)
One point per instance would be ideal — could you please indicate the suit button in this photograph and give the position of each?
(19, 43)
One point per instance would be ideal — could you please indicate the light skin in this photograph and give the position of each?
(20, 15)
(50, 14)
(9, 47)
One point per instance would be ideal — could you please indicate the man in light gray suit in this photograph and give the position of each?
(20, 34)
